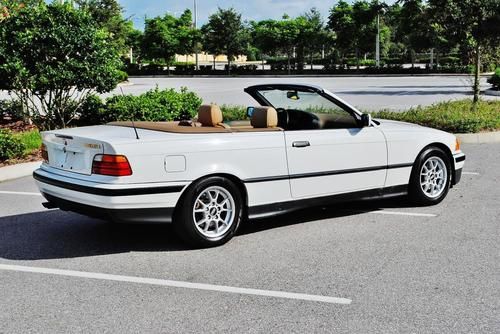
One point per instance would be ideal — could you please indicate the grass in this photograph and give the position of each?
(31, 140)
(451, 116)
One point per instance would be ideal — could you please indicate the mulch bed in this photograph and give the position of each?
(32, 157)
(18, 126)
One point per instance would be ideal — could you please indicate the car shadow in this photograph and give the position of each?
(57, 234)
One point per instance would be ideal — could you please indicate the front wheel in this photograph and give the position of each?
(431, 177)
(209, 213)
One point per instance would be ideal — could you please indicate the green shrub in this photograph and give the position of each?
(452, 116)
(91, 112)
(234, 113)
(154, 105)
(10, 111)
(495, 79)
(10, 146)
(122, 76)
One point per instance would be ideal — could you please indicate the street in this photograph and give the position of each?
(401, 269)
(369, 93)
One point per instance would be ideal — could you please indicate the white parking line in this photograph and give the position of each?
(177, 284)
(401, 213)
(20, 193)
(470, 173)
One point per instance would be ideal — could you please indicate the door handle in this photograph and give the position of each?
(303, 143)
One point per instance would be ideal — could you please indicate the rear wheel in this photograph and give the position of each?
(209, 213)
(431, 177)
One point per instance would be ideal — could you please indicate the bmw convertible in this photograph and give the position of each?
(301, 146)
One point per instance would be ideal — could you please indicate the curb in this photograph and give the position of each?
(361, 75)
(17, 171)
(479, 138)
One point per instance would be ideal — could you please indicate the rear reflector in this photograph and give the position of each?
(45, 154)
(113, 165)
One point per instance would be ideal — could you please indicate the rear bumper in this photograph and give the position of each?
(130, 203)
(131, 216)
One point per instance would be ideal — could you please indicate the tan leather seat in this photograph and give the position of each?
(264, 117)
(210, 115)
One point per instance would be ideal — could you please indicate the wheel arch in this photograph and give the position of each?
(445, 149)
(233, 178)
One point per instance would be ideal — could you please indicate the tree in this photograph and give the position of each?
(107, 15)
(52, 57)
(472, 22)
(166, 36)
(341, 21)
(225, 34)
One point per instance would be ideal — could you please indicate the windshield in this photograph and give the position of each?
(299, 100)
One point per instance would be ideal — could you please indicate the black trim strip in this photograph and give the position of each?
(326, 173)
(274, 209)
(460, 159)
(107, 192)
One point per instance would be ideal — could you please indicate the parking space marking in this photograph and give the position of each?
(470, 173)
(20, 193)
(177, 284)
(401, 213)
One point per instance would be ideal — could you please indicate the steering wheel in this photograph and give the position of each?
(282, 117)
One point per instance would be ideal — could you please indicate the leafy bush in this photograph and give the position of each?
(154, 105)
(122, 76)
(91, 112)
(452, 116)
(10, 146)
(495, 79)
(10, 111)
(233, 113)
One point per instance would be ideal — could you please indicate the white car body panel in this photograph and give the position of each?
(270, 170)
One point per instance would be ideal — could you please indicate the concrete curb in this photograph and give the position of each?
(17, 171)
(361, 75)
(479, 138)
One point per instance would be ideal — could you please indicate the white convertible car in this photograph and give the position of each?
(303, 146)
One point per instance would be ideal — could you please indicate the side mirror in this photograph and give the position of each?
(366, 120)
(250, 112)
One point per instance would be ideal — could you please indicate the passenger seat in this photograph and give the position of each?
(211, 115)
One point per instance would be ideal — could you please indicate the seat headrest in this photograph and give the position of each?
(209, 115)
(264, 117)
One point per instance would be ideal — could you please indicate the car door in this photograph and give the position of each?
(324, 162)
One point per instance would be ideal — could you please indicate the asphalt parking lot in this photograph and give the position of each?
(388, 266)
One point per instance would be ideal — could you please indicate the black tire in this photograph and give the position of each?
(415, 191)
(184, 217)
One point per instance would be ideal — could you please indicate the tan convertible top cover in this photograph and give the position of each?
(176, 128)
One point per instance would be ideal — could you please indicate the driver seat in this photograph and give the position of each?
(264, 117)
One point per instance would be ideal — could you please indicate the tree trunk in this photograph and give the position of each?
(289, 63)
(228, 66)
(357, 59)
(477, 71)
(311, 60)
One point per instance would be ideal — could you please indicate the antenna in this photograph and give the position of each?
(132, 120)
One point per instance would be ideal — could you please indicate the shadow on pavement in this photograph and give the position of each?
(57, 234)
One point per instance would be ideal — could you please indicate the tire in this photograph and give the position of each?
(209, 212)
(431, 177)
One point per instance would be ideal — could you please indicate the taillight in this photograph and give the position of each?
(113, 165)
(45, 154)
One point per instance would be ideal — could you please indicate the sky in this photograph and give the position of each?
(250, 9)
